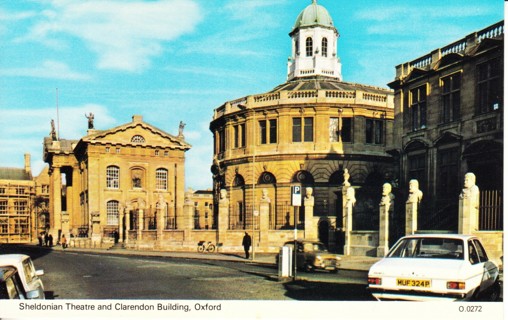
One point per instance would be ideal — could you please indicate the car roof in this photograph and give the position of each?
(442, 235)
(12, 259)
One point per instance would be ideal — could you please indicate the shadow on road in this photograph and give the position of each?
(325, 291)
(33, 251)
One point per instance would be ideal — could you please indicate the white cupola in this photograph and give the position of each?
(314, 45)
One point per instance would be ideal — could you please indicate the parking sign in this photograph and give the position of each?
(296, 196)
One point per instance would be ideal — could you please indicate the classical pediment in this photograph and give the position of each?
(136, 133)
(448, 60)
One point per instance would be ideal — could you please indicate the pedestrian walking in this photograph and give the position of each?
(40, 239)
(46, 239)
(63, 242)
(246, 242)
(50, 239)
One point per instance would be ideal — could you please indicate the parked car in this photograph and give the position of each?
(313, 255)
(32, 287)
(435, 267)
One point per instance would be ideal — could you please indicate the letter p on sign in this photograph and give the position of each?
(296, 196)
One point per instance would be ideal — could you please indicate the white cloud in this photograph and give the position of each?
(124, 34)
(49, 70)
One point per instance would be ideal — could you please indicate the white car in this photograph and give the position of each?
(30, 278)
(431, 267)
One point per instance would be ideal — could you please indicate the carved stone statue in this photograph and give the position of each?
(346, 178)
(180, 128)
(264, 195)
(470, 190)
(90, 118)
(161, 203)
(350, 196)
(223, 197)
(309, 198)
(53, 131)
(388, 197)
(415, 194)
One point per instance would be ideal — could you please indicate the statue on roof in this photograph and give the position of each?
(90, 118)
(53, 131)
(180, 129)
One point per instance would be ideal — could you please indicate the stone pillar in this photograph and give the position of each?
(310, 226)
(349, 201)
(160, 210)
(223, 217)
(469, 201)
(140, 225)
(188, 209)
(127, 223)
(121, 223)
(55, 214)
(264, 219)
(385, 207)
(412, 203)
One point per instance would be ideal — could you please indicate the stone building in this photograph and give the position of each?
(305, 132)
(115, 181)
(23, 203)
(449, 115)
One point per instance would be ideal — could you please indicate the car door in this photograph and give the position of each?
(490, 270)
(476, 270)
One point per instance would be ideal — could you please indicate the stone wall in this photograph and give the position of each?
(364, 243)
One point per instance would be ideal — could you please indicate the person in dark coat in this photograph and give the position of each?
(246, 242)
(50, 239)
(46, 239)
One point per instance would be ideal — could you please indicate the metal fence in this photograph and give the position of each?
(491, 210)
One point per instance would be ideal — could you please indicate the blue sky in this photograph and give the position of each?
(177, 60)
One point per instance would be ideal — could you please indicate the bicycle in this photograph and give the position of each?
(206, 246)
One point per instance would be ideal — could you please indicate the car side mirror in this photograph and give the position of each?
(39, 272)
(34, 294)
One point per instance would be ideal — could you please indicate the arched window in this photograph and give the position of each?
(161, 179)
(324, 47)
(297, 48)
(113, 177)
(267, 178)
(138, 139)
(112, 213)
(308, 47)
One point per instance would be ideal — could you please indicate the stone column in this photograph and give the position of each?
(55, 213)
(310, 226)
(412, 203)
(264, 219)
(127, 223)
(385, 207)
(349, 201)
(121, 223)
(223, 217)
(469, 201)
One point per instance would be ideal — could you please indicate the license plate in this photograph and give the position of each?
(413, 283)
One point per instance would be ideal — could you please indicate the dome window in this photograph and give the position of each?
(308, 47)
(324, 47)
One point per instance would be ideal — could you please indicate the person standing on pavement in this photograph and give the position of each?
(64, 242)
(50, 239)
(246, 242)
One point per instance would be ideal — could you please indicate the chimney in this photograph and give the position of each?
(28, 167)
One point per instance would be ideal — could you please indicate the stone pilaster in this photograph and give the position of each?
(264, 222)
(140, 225)
(348, 200)
(310, 226)
(127, 223)
(384, 227)
(223, 222)
(411, 217)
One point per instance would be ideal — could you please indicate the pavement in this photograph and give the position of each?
(359, 263)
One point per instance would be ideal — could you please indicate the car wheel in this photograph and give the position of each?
(334, 270)
(494, 291)
(308, 267)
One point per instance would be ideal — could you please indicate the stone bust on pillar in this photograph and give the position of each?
(471, 190)
(415, 194)
(223, 200)
(264, 196)
(350, 196)
(309, 198)
(388, 197)
(161, 203)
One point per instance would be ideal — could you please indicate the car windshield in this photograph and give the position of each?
(438, 248)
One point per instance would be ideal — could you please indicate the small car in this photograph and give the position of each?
(31, 282)
(313, 255)
(430, 267)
